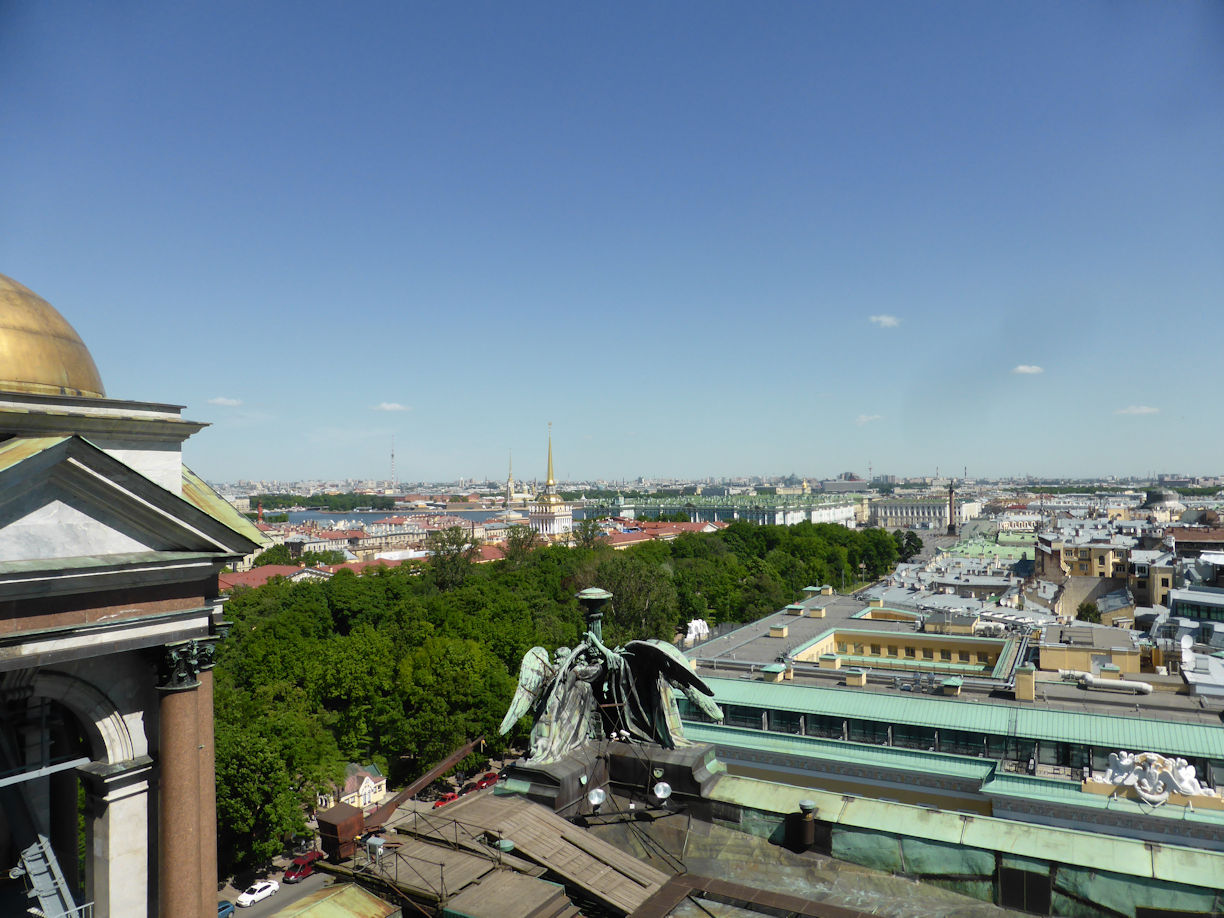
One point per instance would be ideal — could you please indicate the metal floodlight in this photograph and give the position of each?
(662, 790)
(596, 796)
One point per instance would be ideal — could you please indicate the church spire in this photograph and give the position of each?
(551, 483)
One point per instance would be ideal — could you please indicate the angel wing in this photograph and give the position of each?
(704, 704)
(670, 662)
(534, 674)
(674, 667)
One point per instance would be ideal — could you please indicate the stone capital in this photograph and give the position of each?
(181, 663)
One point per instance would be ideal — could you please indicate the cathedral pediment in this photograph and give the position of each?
(62, 498)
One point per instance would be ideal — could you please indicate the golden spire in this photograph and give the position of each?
(550, 483)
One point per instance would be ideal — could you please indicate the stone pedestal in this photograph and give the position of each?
(117, 837)
(560, 785)
(630, 767)
(690, 770)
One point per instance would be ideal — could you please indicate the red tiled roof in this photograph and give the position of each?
(338, 534)
(360, 567)
(1185, 534)
(628, 538)
(256, 576)
(490, 553)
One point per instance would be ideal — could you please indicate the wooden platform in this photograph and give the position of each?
(431, 871)
(505, 894)
(573, 855)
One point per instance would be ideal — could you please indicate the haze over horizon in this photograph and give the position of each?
(703, 241)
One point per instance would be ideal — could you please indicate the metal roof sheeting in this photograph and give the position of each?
(1115, 853)
(940, 763)
(1130, 733)
(197, 493)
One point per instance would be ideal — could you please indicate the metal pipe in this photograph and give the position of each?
(1116, 685)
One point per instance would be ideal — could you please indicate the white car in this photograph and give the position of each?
(257, 893)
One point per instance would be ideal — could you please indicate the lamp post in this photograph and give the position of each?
(593, 600)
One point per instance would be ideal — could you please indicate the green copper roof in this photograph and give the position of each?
(1133, 856)
(1109, 731)
(940, 763)
(19, 449)
(197, 493)
(1068, 793)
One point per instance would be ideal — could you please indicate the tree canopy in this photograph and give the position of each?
(399, 666)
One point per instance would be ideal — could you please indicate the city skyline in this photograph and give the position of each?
(698, 240)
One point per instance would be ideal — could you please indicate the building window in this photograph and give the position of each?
(962, 656)
(735, 715)
(928, 653)
(960, 742)
(841, 646)
(875, 650)
(913, 737)
(1164, 581)
(892, 651)
(785, 722)
(823, 725)
(909, 652)
(945, 655)
(868, 731)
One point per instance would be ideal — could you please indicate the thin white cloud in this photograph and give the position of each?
(885, 321)
(1027, 369)
(226, 402)
(1138, 409)
(390, 406)
(867, 419)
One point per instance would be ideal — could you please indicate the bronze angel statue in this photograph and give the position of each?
(594, 692)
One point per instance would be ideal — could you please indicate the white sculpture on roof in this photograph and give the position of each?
(1154, 776)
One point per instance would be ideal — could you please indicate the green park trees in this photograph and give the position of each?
(452, 552)
(401, 665)
(1087, 611)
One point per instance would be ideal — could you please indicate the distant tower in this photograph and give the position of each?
(510, 481)
(952, 508)
(550, 515)
(394, 480)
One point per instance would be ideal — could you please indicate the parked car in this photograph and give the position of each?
(257, 893)
(448, 797)
(301, 867)
(225, 908)
(487, 780)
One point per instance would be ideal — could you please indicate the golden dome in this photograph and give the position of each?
(40, 352)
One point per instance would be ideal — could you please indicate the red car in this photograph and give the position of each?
(488, 780)
(302, 867)
(448, 797)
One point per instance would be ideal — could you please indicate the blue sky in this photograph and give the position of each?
(700, 238)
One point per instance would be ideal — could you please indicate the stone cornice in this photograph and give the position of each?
(21, 650)
(67, 576)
